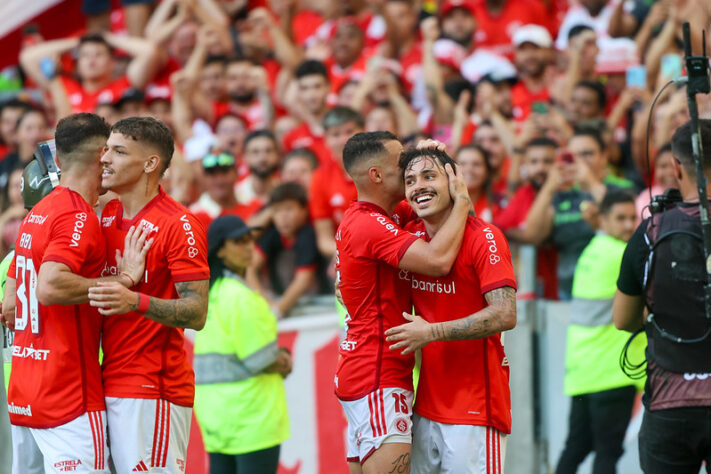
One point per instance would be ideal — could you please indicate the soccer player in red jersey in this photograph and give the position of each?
(148, 382)
(463, 409)
(373, 254)
(55, 396)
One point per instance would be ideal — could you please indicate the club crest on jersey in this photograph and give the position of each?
(401, 425)
(144, 224)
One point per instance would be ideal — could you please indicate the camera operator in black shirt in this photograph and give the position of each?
(663, 271)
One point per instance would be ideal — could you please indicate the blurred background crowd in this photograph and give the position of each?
(544, 104)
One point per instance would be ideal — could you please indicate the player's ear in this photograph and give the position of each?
(375, 175)
(151, 164)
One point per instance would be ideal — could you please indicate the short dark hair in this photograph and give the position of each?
(666, 148)
(74, 130)
(615, 196)
(216, 59)
(363, 146)
(542, 141)
(14, 103)
(409, 156)
(311, 67)
(598, 89)
(592, 133)
(341, 114)
(27, 112)
(237, 59)
(289, 191)
(305, 153)
(682, 148)
(95, 38)
(263, 133)
(577, 29)
(149, 131)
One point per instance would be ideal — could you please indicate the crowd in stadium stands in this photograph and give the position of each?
(543, 103)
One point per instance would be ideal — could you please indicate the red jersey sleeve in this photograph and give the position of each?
(491, 259)
(380, 238)
(186, 250)
(74, 237)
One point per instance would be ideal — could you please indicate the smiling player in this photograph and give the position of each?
(463, 407)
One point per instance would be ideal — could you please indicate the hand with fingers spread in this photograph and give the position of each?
(133, 261)
(411, 336)
(112, 297)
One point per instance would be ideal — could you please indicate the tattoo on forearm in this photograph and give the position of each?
(183, 312)
(401, 464)
(484, 323)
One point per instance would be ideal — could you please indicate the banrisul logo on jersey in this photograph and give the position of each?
(433, 286)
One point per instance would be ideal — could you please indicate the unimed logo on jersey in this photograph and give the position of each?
(19, 410)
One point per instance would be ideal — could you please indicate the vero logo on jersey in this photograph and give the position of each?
(494, 258)
(384, 222)
(78, 226)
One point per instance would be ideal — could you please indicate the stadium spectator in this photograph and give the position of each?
(240, 401)
(220, 176)
(488, 138)
(539, 158)
(602, 395)
(312, 84)
(30, 129)
(532, 57)
(663, 179)
(94, 68)
(587, 102)
(565, 204)
(476, 170)
(261, 155)
(299, 166)
(287, 254)
(468, 308)
(10, 112)
(230, 134)
(332, 189)
(13, 211)
(497, 20)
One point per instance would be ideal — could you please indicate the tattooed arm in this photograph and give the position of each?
(188, 311)
(498, 316)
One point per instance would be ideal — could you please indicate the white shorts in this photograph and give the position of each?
(382, 416)
(442, 448)
(77, 446)
(148, 435)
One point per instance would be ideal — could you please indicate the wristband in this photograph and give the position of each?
(133, 283)
(143, 303)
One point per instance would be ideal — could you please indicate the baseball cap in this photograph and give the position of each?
(449, 5)
(535, 34)
(218, 160)
(224, 228)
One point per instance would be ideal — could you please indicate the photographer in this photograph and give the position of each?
(675, 436)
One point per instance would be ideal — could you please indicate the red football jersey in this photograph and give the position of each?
(495, 32)
(84, 101)
(143, 358)
(56, 375)
(465, 382)
(370, 246)
(331, 192)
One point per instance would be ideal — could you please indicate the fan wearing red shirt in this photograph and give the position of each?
(498, 20)
(374, 256)
(55, 396)
(94, 69)
(313, 84)
(332, 189)
(148, 382)
(532, 56)
(463, 409)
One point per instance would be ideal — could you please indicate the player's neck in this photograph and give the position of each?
(85, 188)
(435, 222)
(136, 198)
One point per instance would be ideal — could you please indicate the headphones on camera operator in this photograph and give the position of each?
(678, 237)
(41, 175)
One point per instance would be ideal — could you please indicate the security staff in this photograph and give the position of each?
(663, 270)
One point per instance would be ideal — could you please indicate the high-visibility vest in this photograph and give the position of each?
(239, 407)
(593, 344)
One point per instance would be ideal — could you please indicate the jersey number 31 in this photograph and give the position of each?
(27, 307)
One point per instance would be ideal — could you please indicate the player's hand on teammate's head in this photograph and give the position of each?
(431, 144)
(133, 260)
(410, 336)
(111, 297)
(457, 184)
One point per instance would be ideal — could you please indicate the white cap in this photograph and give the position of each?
(535, 34)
